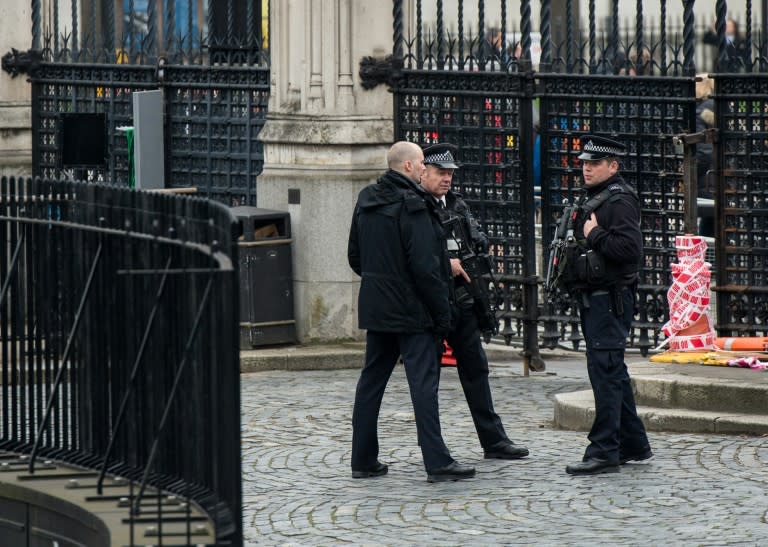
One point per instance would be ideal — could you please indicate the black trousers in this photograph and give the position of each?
(422, 369)
(617, 430)
(472, 366)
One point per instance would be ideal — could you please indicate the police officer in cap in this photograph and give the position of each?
(465, 337)
(612, 233)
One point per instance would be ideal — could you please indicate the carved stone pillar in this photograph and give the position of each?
(15, 98)
(325, 138)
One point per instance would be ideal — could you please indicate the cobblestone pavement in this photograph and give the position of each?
(297, 488)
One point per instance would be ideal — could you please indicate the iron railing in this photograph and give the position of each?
(214, 32)
(741, 208)
(630, 78)
(211, 60)
(212, 118)
(119, 340)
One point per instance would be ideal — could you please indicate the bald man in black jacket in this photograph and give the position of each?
(397, 246)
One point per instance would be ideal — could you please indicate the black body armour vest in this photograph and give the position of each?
(582, 267)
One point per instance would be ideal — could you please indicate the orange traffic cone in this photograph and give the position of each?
(744, 343)
(447, 360)
(690, 326)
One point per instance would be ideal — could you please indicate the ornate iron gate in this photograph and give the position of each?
(645, 113)
(741, 198)
(511, 111)
(213, 68)
(497, 106)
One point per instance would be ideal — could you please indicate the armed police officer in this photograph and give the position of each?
(602, 272)
(396, 245)
(471, 314)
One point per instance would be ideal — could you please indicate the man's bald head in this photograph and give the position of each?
(406, 158)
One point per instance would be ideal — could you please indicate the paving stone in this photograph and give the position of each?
(700, 489)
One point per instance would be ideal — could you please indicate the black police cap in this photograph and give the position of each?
(442, 155)
(599, 148)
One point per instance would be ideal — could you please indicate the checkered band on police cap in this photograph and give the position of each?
(597, 148)
(443, 155)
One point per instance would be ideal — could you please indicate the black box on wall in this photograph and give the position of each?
(266, 278)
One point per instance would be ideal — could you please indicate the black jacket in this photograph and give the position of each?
(737, 55)
(617, 237)
(478, 241)
(397, 246)
(705, 117)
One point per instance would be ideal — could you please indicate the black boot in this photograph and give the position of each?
(592, 466)
(454, 471)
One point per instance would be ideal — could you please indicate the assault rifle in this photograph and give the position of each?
(557, 251)
(482, 286)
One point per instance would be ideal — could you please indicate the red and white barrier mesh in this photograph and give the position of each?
(690, 324)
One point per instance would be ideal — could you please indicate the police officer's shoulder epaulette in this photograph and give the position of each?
(622, 187)
(625, 190)
(413, 202)
(459, 204)
(613, 190)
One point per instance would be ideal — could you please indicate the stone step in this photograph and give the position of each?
(576, 410)
(671, 397)
(309, 357)
(702, 394)
(347, 355)
(684, 398)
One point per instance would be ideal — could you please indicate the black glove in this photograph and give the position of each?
(482, 243)
(441, 330)
(440, 347)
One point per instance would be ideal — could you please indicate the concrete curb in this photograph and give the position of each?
(576, 411)
(706, 400)
(341, 356)
(678, 391)
(350, 355)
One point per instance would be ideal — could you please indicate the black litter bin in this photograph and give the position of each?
(266, 278)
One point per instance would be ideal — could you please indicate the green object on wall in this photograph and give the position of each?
(131, 168)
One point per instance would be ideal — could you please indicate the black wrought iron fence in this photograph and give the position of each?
(645, 113)
(486, 114)
(741, 205)
(211, 60)
(139, 32)
(118, 341)
(626, 76)
(750, 30)
(212, 118)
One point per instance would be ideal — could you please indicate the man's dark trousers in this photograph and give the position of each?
(472, 365)
(617, 429)
(422, 369)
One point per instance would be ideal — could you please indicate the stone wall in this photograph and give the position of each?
(15, 114)
(325, 138)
